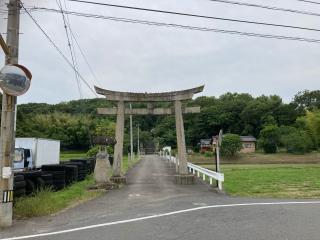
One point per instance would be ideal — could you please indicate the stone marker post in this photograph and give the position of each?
(102, 170)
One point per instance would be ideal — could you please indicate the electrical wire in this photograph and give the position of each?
(308, 1)
(56, 47)
(196, 15)
(266, 7)
(186, 27)
(71, 49)
(74, 37)
(84, 57)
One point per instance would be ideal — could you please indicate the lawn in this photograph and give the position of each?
(272, 180)
(67, 155)
(258, 158)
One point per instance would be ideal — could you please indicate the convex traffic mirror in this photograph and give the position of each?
(15, 79)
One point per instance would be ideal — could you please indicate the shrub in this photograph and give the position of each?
(269, 139)
(95, 149)
(208, 154)
(231, 144)
(298, 142)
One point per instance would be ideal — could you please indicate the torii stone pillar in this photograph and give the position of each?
(118, 148)
(181, 142)
(183, 177)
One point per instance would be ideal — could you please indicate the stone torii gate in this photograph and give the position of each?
(177, 97)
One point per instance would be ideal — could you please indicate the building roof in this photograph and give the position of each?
(205, 141)
(248, 139)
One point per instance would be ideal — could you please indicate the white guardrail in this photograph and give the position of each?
(199, 171)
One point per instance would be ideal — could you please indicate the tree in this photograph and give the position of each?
(298, 142)
(308, 100)
(311, 124)
(269, 139)
(231, 144)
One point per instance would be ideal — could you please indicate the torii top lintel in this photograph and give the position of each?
(149, 97)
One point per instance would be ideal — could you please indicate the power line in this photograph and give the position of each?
(71, 49)
(196, 15)
(186, 27)
(308, 1)
(56, 47)
(73, 37)
(267, 7)
(84, 57)
(72, 41)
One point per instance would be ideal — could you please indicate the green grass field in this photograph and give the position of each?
(272, 180)
(258, 158)
(66, 155)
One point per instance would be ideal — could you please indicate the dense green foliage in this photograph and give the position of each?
(75, 123)
(298, 142)
(308, 100)
(269, 138)
(231, 144)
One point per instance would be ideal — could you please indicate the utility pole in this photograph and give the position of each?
(131, 137)
(138, 148)
(7, 140)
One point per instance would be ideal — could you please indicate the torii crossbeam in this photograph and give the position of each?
(177, 97)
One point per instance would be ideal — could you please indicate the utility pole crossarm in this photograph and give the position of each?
(4, 46)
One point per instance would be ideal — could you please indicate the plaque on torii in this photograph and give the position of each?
(177, 97)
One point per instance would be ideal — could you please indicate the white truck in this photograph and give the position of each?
(37, 165)
(32, 153)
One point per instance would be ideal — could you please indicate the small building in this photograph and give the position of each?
(205, 145)
(248, 144)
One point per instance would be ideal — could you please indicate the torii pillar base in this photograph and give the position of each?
(119, 179)
(184, 179)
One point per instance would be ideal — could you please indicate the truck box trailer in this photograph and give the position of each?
(32, 153)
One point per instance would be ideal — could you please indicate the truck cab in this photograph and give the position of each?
(22, 159)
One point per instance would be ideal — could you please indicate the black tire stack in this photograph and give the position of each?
(71, 174)
(32, 182)
(81, 169)
(88, 163)
(48, 179)
(19, 186)
(58, 173)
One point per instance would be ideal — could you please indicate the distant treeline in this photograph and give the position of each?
(75, 123)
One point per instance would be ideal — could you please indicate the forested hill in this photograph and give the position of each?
(76, 122)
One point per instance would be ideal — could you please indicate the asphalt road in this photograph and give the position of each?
(151, 206)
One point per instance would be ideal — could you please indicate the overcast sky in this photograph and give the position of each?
(141, 58)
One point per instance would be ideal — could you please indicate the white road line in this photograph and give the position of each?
(156, 216)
